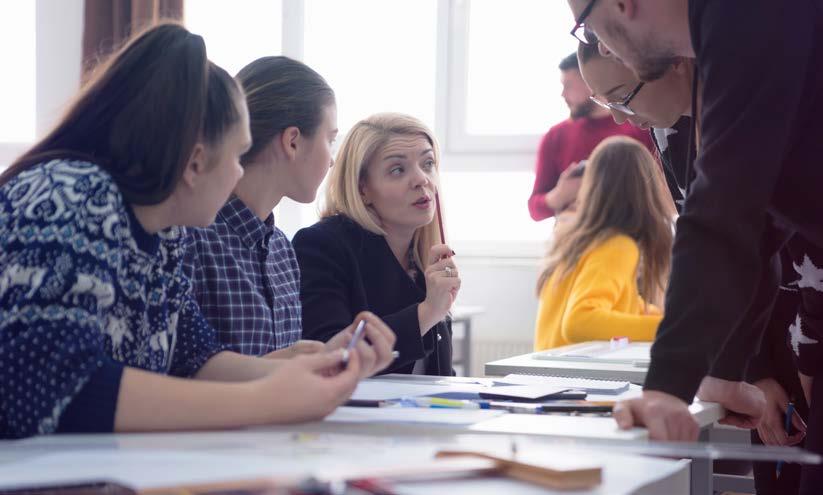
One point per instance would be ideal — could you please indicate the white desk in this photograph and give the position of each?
(581, 429)
(527, 364)
(156, 460)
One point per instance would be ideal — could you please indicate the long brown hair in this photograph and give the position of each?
(623, 192)
(141, 114)
(282, 93)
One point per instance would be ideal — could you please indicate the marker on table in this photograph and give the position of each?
(787, 425)
(438, 403)
(367, 403)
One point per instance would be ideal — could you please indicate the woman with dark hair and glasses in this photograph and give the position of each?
(662, 106)
(97, 324)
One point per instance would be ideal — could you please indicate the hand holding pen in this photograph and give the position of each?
(374, 343)
(788, 427)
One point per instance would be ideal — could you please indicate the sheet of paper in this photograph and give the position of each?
(412, 415)
(376, 389)
(635, 352)
(591, 386)
(560, 426)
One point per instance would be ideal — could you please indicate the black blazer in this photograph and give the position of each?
(345, 269)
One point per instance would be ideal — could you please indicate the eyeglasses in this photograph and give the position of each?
(579, 31)
(622, 105)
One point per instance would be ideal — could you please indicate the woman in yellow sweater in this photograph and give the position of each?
(609, 266)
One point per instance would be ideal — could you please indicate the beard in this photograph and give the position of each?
(582, 110)
(651, 58)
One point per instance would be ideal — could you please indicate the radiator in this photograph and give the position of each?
(483, 351)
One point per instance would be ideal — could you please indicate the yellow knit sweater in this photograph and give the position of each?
(597, 301)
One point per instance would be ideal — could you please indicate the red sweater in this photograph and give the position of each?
(569, 142)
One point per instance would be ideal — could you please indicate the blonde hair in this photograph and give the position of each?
(363, 142)
(623, 192)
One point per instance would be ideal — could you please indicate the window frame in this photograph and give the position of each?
(457, 138)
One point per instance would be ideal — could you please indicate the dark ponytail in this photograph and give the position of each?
(282, 93)
(141, 114)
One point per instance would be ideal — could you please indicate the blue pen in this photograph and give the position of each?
(439, 403)
(787, 426)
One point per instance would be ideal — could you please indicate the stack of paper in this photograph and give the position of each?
(599, 387)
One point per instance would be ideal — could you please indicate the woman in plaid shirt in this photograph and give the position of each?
(243, 269)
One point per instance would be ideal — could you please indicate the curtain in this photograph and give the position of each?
(108, 23)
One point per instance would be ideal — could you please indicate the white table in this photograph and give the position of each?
(156, 460)
(602, 429)
(527, 364)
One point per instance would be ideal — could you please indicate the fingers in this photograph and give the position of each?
(438, 252)
(798, 422)
(308, 347)
(623, 414)
(367, 357)
(766, 434)
(346, 380)
(681, 427)
(740, 421)
(440, 266)
(322, 361)
(796, 438)
(376, 328)
(382, 340)
(382, 348)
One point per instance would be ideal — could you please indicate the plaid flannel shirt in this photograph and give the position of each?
(246, 280)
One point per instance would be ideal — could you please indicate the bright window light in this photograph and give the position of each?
(236, 32)
(513, 52)
(18, 84)
(377, 55)
(490, 206)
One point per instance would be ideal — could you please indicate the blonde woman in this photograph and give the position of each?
(607, 270)
(377, 245)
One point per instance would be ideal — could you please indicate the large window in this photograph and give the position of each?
(482, 73)
(236, 32)
(18, 84)
(489, 208)
(378, 55)
(504, 86)
(513, 50)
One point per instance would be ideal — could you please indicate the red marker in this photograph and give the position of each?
(439, 217)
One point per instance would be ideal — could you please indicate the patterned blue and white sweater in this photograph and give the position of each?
(85, 291)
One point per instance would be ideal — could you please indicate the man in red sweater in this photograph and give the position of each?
(571, 141)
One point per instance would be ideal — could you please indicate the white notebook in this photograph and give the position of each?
(598, 387)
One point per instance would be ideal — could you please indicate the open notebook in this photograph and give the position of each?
(595, 387)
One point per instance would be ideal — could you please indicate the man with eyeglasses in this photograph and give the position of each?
(759, 165)
(567, 143)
